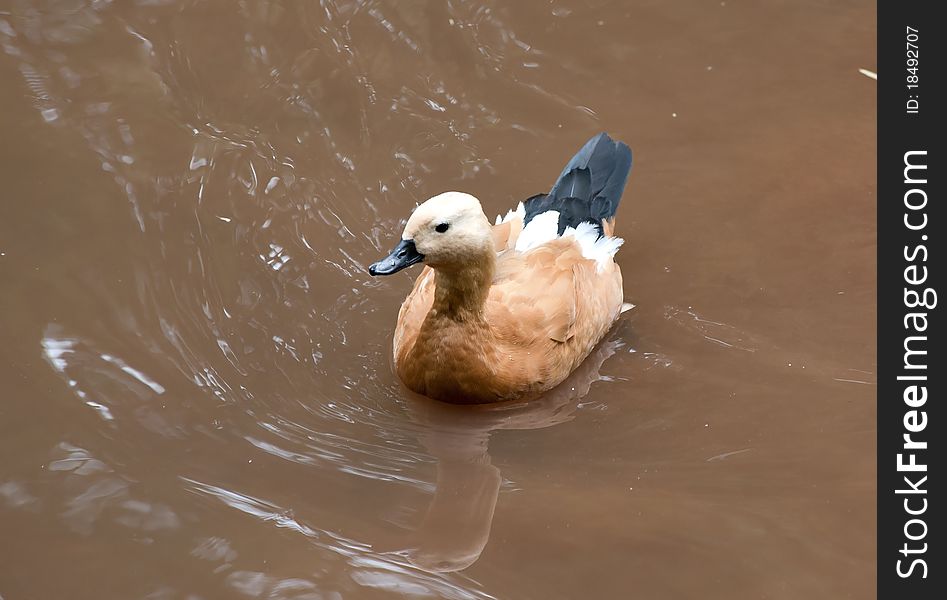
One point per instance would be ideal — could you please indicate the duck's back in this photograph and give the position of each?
(549, 307)
(557, 287)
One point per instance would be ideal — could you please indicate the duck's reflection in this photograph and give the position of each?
(456, 526)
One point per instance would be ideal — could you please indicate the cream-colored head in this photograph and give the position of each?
(449, 229)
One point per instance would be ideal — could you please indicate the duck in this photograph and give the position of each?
(506, 311)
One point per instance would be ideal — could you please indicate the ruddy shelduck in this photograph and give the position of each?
(507, 311)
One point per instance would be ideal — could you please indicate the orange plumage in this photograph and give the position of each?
(508, 311)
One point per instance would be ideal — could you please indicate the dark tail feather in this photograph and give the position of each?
(597, 175)
(589, 187)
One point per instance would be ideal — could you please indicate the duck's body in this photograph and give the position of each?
(508, 311)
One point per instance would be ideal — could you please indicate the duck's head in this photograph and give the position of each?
(447, 231)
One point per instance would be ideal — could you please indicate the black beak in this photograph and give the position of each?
(404, 255)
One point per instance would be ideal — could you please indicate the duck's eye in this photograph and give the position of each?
(442, 227)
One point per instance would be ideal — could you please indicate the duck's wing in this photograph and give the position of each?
(534, 295)
(551, 281)
(554, 294)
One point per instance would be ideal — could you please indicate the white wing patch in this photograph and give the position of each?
(600, 249)
(545, 228)
(519, 212)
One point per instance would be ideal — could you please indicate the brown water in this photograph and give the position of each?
(196, 399)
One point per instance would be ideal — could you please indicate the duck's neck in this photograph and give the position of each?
(461, 293)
